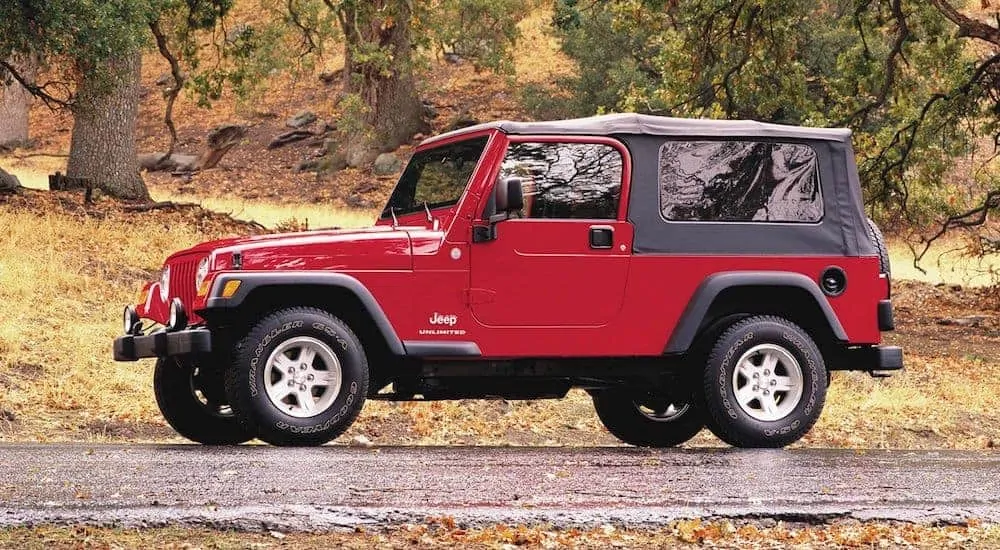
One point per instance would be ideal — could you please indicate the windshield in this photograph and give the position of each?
(436, 177)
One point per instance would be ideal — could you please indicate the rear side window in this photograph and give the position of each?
(739, 181)
(567, 180)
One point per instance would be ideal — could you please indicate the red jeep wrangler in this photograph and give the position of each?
(686, 273)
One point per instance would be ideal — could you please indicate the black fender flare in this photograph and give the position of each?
(250, 281)
(691, 319)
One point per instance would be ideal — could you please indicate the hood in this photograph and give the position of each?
(339, 249)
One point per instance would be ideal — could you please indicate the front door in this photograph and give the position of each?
(565, 261)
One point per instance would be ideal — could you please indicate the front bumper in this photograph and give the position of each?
(163, 344)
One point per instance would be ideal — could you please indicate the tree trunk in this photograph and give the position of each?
(105, 115)
(15, 103)
(392, 111)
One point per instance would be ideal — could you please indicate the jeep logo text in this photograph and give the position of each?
(449, 320)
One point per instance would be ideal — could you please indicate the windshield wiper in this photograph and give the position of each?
(395, 220)
(430, 218)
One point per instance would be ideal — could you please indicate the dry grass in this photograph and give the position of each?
(63, 282)
(444, 533)
(946, 262)
(271, 215)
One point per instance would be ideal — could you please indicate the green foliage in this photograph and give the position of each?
(484, 31)
(217, 53)
(844, 62)
(86, 32)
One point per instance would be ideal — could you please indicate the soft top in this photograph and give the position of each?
(632, 123)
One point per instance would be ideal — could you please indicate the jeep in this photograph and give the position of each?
(685, 273)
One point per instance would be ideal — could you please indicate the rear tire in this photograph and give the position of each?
(299, 377)
(765, 383)
(883, 250)
(193, 402)
(646, 421)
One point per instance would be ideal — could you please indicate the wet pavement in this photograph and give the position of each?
(333, 487)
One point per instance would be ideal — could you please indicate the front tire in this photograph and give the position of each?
(299, 377)
(648, 420)
(765, 383)
(192, 400)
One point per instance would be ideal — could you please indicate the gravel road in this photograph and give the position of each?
(332, 487)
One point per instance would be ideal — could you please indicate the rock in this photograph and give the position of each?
(331, 162)
(430, 111)
(364, 188)
(9, 182)
(361, 441)
(177, 162)
(355, 201)
(289, 137)
(970, 321)
(462, 121)
(387, 164)
(419, 136)
(307, 165)
(453, 58)
(330, 77)
(301, 120)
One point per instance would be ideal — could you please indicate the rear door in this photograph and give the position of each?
(565, 261)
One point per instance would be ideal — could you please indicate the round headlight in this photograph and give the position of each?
(165, 284)
(130, 320)
(201, 274)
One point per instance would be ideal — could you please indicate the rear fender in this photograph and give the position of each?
(695, 315)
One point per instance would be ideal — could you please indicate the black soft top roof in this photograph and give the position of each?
(631, 123)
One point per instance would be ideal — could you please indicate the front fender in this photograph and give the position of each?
(250, 281)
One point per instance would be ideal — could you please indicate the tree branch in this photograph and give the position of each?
(171, 94)
(966, 25)
(307, 33)
(40, 92)
(971, 218)
(902, 34)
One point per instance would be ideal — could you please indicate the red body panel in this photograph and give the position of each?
(538, 290)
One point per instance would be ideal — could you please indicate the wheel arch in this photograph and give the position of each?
(786, 294)
(337, 293)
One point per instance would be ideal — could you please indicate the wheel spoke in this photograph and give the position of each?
(745, 395)
(279, 392)
(746, 369)
(767, 403)
(770, 361)
(783, 383)
(323, 378)
(306, 400)
(307, 356)
(282, 362)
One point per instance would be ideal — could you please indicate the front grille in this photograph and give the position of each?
(182, 274)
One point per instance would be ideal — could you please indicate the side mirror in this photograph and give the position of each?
(509, 195)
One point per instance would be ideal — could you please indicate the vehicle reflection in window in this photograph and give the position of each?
(566, 180)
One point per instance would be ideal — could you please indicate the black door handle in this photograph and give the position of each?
(602, 236)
